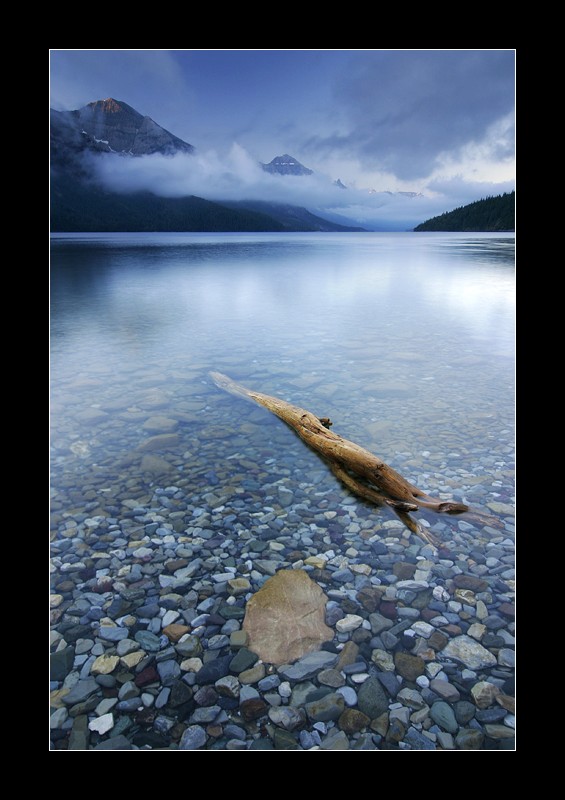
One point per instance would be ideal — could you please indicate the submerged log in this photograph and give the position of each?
(362, 472)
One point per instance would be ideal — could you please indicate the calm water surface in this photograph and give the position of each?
(404, 340)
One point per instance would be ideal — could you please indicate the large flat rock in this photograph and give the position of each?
(285, 618)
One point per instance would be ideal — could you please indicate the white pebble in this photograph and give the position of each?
(102, 724)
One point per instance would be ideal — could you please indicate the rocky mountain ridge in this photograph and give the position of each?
(113, 126)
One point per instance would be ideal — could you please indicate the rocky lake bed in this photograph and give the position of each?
(173, 505)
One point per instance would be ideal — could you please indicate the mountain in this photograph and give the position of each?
(80, 207)
(113, 126)
(286, 165)
(292, 218)
(112, 129)
(489, 214)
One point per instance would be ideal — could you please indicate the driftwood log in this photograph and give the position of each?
(363, 473)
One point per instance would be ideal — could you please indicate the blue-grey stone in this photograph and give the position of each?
(308, 666)
(147, 611)
(235, 732)
(442, 713)
(193, 738)
(371, 697)
(355, 668)
(61, 663)
(168, 671)
(464, 711)
(349, 695)
(269, 682)
(129, 706)
(128, 690)
(417, 740)
(390, 682)
(81, 691)
(328, 707)
(113, 634)
(162, 698)
(211, 671)
(342, 575)
(205, 714)
(119, 742)
(309, 739)
(149, 642)
(491, 715)
(469, 739)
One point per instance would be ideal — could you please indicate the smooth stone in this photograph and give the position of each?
(352, 720)
(79, 737)
(126, 646)
(409, 666)
(390, 682)
(283, 740)
(506, 657)
(149, 641)
(484, 694)
(348, 655)
(168, 671)
(244, 659)
(423, 629)
(81, 691)
(469, 652)
(308, 666)
(349, 623)
(204, 714)
(337, 741)
(119, 742)
(113, 634)
(104, 664)
(329, 707)
(285, 619)
(61, 663)
(228, 686)
(238, 639)
(287, 717)
(383, 660)
(193, 738)
(411, 698)
(477, 631)
(417, 740)
(442, 714)
(58, 718)
(102, 724)
(499, 732)
(469, 739)
(349, 695)
(252, 675)
(445, 690)
(128, 690)
(253, 708)
(189, 647)
(331, 677)
(464, 711)
(211, 671)
(175, 631)
(371, 698)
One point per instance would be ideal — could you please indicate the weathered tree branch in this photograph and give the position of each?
(362, 472)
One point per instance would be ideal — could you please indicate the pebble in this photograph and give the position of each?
(150, 580)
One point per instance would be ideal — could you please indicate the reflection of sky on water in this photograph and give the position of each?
(169, 286)
(405, 340)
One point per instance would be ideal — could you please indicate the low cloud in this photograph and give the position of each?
(237, 176)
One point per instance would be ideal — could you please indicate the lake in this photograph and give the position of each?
(406, 341)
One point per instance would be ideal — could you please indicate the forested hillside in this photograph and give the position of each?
(490, 214)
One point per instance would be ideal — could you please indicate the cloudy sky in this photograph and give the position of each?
(435, 122)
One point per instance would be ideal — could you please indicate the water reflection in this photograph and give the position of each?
(405, 339)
